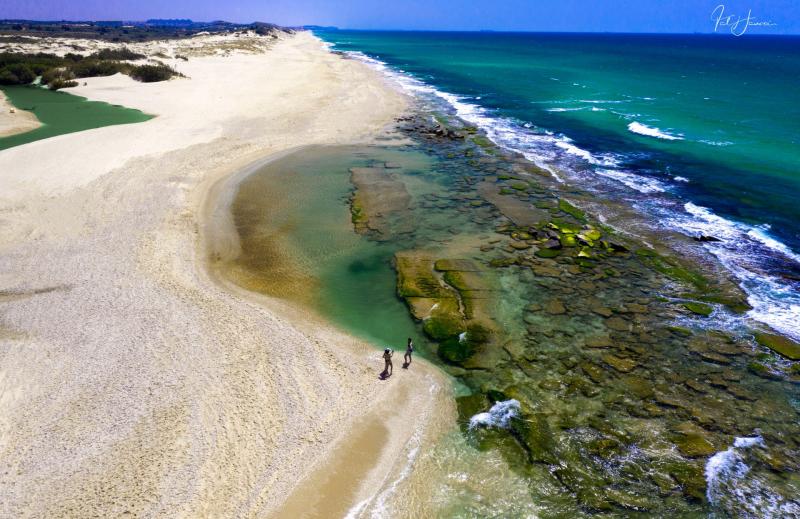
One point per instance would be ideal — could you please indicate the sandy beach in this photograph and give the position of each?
(13, 121)
(135, 382)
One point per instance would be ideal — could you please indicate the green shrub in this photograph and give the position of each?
(91, 68)
(16, 74)
(61, 83)
(122, 54)
(152, 73)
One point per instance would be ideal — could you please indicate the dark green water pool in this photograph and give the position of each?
(60, 113)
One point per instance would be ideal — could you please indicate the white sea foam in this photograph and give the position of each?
(775, 302)
(716, 143)
(636, 182)
(728, 464)
(499, 415)
(575, 109)
(732, 487)
(681, 179)
(650, 131)
(539, 148)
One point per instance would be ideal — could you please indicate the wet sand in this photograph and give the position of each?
(14, 120)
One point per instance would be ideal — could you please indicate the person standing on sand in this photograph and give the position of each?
(387, 357)
(409, 351)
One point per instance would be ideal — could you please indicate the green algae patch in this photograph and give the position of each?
(779, 344)
(445, 320)
(462, 265)
(415, 276)
(571, 210)
(671, 268)
(698, 308)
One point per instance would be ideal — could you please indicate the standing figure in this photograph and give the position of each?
(387, 357)
(409, 351)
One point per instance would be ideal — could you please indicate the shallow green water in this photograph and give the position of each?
(621, 409)
(60, 113)
(346, 277)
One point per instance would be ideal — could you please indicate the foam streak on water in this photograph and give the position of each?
(650, 131)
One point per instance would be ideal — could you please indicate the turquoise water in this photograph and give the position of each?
(60, 113)
(298, 243)
(700, 132)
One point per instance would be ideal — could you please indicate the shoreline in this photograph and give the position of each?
(13, 120)
(174, 396)
(421, 396)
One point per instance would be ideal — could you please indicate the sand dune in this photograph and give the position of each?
(133, 382)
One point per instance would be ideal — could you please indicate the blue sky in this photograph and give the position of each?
(684, 16)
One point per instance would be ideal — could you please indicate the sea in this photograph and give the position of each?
(698, 133)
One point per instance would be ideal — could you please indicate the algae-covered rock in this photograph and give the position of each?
(460, 348)
(445, 320)
(537, 438)
(564, 226)
(415, 276)
(690, 477)
(470, 405)
(692, 441)
(547, 253)
(620, 364)
(592, 371)
(779, 344)
(638, 386)
(699, 308)
(629, 500)
(571, 210)
(568, 240)
(503, 262)
(619, 324)
(555, 307)
(462, 265)
(455, 351)
(598, 341)
(421, 306)
(589, 236)
(763, 370)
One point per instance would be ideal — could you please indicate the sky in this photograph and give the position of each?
(676, 16)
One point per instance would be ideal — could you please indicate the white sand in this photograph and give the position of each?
(130, 380)
(13, 120)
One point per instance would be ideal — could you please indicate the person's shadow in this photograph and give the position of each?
(384, 375)
(406, 365)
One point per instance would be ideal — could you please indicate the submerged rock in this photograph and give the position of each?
(699, 308)
(779, 344)
(620, 364)
(692, 441)
(555, 307)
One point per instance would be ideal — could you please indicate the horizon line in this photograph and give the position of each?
(309, 26)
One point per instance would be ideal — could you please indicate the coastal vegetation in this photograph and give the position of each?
(59, 72)
(15, 31)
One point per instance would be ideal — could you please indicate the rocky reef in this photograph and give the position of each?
(608, 342)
